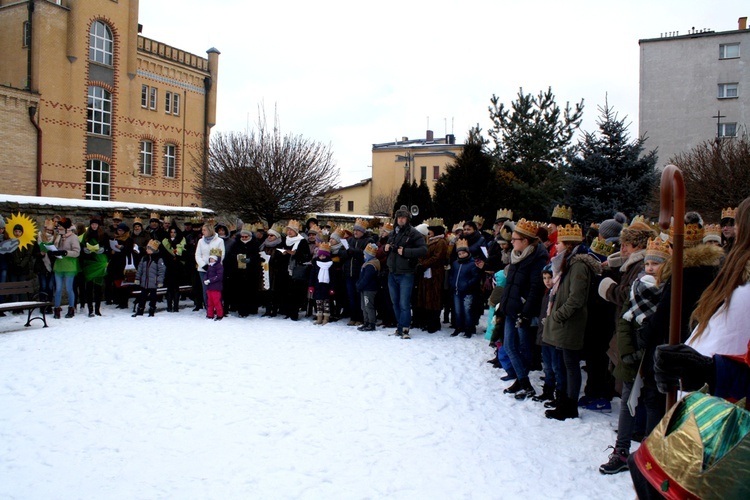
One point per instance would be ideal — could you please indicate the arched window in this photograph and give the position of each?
(99, 111)
(97, 180)
(101, 46)
(170, 160)
(146, 158)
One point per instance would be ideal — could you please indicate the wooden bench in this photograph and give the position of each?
(25, 288)
(161, 291)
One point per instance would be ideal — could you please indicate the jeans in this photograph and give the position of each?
(553, 368)
(46, 285)
(462, 312)
(518, 346)
(400, 286)
(368, 307)
(67, 281)
(654, 402)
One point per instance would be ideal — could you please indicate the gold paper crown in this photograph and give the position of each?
(562, 212)
(360, 222)
(49, 224)
(211, 222)
(458, 226)
(232, 227)
(250, 228)
(258, 226)
(197, 219)
(693, 234)
(138, 220)
(527, 228)
(478, 219)
(729, 213)
(462, 243)
(314, 228)
(657, 247)
(570, 233)
(293, 224)
(371, 248)
(435, 221)
(504, 213)
(326, 247)
(388, 226)
(639, 218)
(712, 232)
(117, 215)
(153, 245)
(214, 251)
(682, 454)
(155, 215)
(600, 247)
(167, 219)
(339, 231)
(277, 229)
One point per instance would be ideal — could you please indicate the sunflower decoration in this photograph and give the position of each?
(29, 228)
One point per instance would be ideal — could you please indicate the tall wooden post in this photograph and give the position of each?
(673, 204)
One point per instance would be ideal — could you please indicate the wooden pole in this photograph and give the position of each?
(673, 204)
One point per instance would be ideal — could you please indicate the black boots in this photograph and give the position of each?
(71, 312)
(548, 394)
(527, 390)
(151, 311)
(58, 312)
(566, 408)
(138, 312)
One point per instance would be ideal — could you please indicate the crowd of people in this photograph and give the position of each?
(557, 292)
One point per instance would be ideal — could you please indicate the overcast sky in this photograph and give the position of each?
(351, 74)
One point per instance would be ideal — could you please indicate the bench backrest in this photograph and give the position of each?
(16, 287)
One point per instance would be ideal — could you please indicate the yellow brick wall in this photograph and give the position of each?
(18, 160)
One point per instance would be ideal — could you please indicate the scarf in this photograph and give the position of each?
(293, 241)
(323, 267)
(437, 237)
(208, 239)
(270, 244)
(516, 257)
(644, 297)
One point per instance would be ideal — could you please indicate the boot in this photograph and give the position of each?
(555, 402)
(566, 409)
(548, 394)
(151, 311)
(514, 388)
(433, 323)
(405, 334)
(326, 319)
(527, 390)
(91, 311)
(71, 312)
(58, 311)
(618, 462)
(138, 312)
(97, 309)
(319, 318)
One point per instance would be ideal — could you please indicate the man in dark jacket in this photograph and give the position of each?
(405, 246)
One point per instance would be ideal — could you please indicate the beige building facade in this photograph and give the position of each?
(120, 116)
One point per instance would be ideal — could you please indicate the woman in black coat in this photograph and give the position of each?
(244, 265)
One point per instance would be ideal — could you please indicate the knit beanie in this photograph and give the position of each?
(422, 228)
(370, 250)
(637, 234)
(611, 228)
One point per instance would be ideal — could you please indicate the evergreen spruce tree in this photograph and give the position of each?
(467, 188)
(532, 138)
(424, 201)
(608, 174)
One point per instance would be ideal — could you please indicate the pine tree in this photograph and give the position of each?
(608, 174)
(531, 139)
(467, 188)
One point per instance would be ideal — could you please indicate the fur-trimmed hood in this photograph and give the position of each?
(634, 258)
(588, 259)
(697, 256)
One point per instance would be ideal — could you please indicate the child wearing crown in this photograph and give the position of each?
(320, 288)
(214, 285)
(149, 276)
(367, 287)
(464, 285)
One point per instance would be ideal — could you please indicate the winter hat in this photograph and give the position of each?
(293, 225)
(370, 250)
(138, 222)
(422, 228)
(153, 245)
(274, 232)
(712, 233)
(247, 229)
(611, 228)
(403, 212)
(324, 250)
(637, 234)
(95, 221)
(65, 222)
(360, 225)
(121, 225)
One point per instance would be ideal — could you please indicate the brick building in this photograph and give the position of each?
(96, 111)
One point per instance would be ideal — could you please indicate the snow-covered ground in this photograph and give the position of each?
(177, 406)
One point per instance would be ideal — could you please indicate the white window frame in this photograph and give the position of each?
(99, 111)
(154, 98)
(729, 90)
(101, 43)
(168, 102)
(97, 180)
(26, 34)
(170, 161)
(146, 158)
(726, 50)
(144, 96)
(727, 129)
(176, 104)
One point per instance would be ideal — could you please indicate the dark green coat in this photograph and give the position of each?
(566, 324)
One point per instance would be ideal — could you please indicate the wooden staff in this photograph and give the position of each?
(673, 204)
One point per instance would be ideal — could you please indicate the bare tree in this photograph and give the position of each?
(266, 175)
(382, 203)
(717, 175)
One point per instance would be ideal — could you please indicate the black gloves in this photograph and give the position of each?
(58, 253)
(673, 363)
(205, 267)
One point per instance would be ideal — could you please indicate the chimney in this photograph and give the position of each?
(430, 136)
(450, 139)
(742, 22)
(404, 139)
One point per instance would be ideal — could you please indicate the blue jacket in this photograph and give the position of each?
(368, 277)
(463, 277)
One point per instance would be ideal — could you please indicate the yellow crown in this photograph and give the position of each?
(693, 234)
(729, 213)
(562, 212)
(211, 222)
(293, 224)
(326, 247)
(639, 218)
(197, 219)
(314, 229)
(458, 226)
(248, 228)
(712, 232)
(658, 248)
(138, 220)
(214, 251)
(527, 228)
(117, 215)
(361, 223)
(277, 229)
(504, 213)
(600, 247)
(49, 224)
(155, 215)
(478, 219)
(435, 221)
(388, 226)
(167, 219)
(462, 243)
(570, 233)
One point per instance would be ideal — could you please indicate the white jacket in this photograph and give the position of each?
(203, 250)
